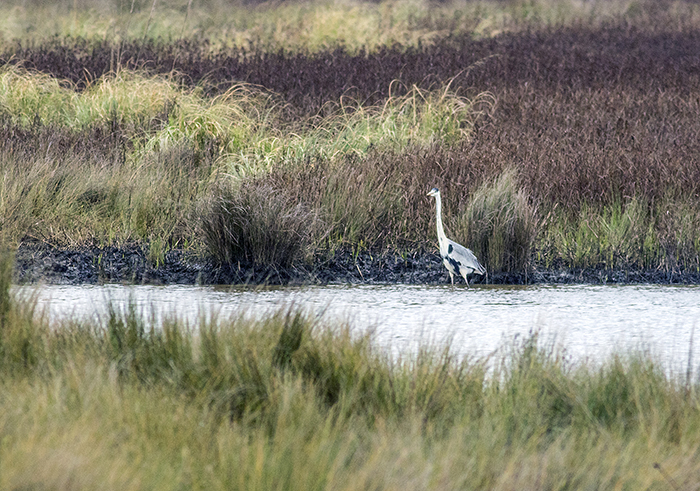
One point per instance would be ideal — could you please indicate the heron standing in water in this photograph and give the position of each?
(456, 258)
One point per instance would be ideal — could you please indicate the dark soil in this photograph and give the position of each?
(129, 264)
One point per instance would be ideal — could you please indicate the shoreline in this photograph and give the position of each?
(129, 263)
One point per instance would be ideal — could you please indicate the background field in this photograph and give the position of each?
(560, 133)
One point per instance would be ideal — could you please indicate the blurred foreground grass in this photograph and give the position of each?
(287, 402)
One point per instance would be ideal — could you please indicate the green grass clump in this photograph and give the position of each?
(500, 224)
(613, 236)
(290, 401)
(635, 234)
(677, 222)
(417, 118)
(152, 112)
(34, 97)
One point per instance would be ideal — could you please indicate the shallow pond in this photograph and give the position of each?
(587, 321)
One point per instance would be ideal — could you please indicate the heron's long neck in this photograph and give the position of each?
(438, 211)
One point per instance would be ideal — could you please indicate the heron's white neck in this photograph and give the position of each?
(438, 211)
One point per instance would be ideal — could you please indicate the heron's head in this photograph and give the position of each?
(434, 192)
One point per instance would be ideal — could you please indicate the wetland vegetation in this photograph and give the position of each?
(562, 134)
(289, 401)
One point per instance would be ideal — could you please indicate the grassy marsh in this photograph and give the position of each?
(308, 26)
(290, 402)
(571, 126)
(116, 136)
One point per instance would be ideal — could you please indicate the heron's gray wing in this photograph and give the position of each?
(464, 257)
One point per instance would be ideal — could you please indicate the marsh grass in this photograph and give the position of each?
(633, 234)
(6, 265)
(500, 224)
(295, 27)
(678, 221)
(61, 190)
(620, 236)
(255, 223)
(163, 150)
(152, 112)
(599, 116)
(411, 116)
(295, 402)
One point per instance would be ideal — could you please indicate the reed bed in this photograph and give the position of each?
(291, 402)
(593, 115)
(560, 134)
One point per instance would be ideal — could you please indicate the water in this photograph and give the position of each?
(589, 322)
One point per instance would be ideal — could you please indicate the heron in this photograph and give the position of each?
(456, 258)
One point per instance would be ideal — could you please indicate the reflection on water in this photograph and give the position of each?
(588, 321)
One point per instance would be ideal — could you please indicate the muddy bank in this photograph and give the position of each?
(129, 264)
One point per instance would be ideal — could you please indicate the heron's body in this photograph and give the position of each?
(456, 258)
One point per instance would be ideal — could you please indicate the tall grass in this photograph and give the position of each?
(500, 224)
(70, 196)
(413, 117)
(6, 264)
(416, 115)
(598, 115)
(292, 402)
(152, 112)
(635, 234)
(244, 123)
(161, 149)
(255, 223)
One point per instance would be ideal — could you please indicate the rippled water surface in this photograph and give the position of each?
(588, 321)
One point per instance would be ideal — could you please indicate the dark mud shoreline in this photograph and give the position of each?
(129, 264)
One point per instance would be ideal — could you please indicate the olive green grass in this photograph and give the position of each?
(309, 26)
(500, 224)
(629, 234)
(255, 223)
(142, 158)
(293, 402)
(153, 113)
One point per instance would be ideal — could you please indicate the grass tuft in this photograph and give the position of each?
(255, 223)
(615, 236)
(22, 340)
(500, 224)
(6, 266)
